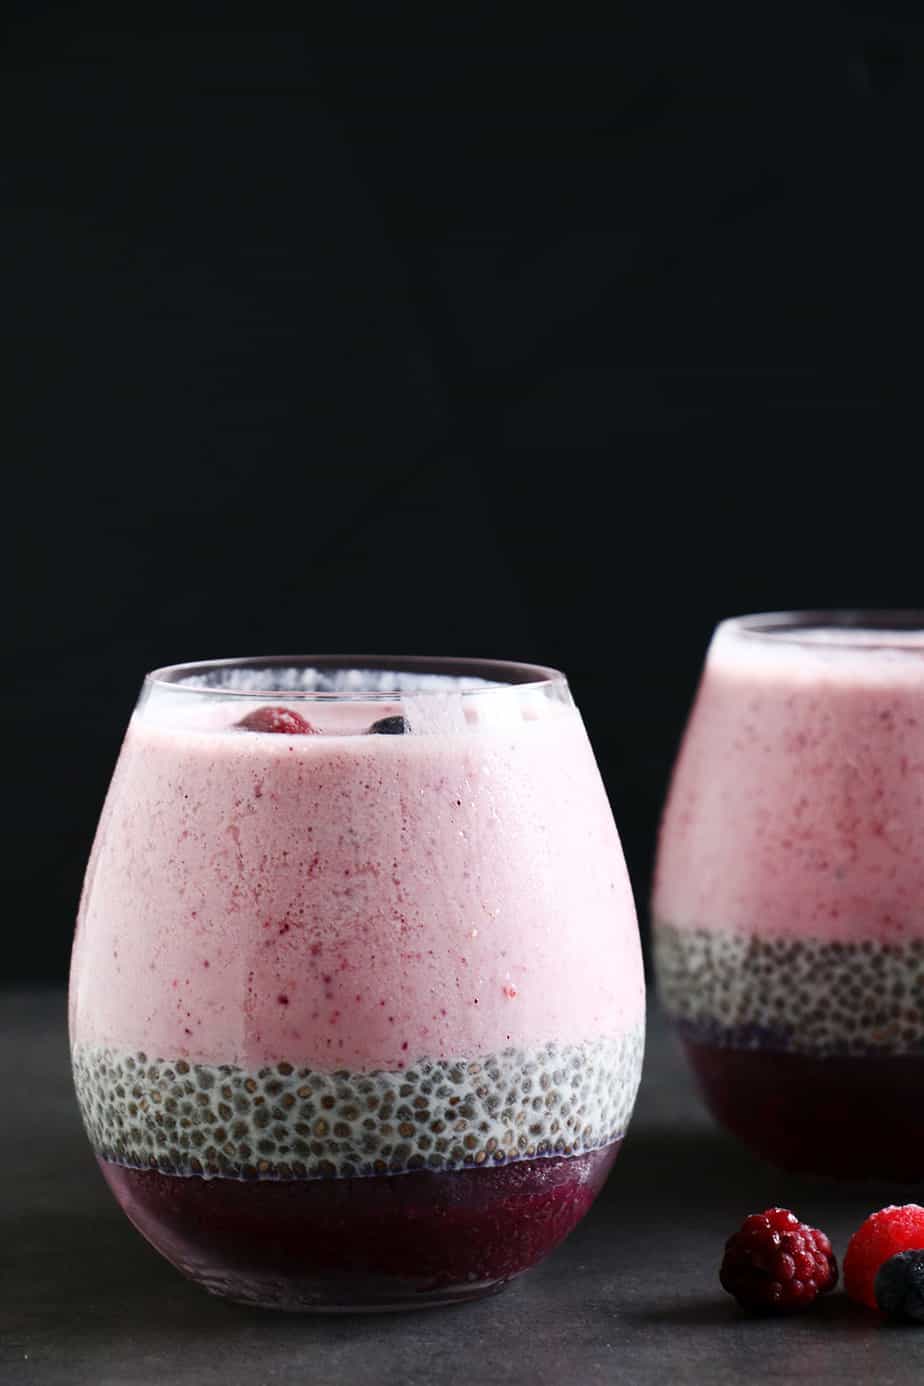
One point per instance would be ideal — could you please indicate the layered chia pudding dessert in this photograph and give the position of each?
(789, 893)
(357, 1002)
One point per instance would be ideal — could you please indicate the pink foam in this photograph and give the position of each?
(356, 901)
(797, 802)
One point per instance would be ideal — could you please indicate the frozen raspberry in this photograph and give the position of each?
(900, 1286)
(277, 719)
(891, 1230)
(390, 726)
(775, 1262)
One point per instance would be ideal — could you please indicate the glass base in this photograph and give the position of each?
(383, 1243)
(329, 1297)
(845, 1117)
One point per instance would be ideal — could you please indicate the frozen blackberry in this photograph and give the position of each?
(776, 1263)
(390, 726)
(900, 1286)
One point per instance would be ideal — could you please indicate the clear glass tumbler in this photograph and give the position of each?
(356, 994)
(789, 891)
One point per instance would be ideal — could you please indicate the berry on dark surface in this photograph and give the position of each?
(390, 726)
(281, 720)
(899, 1286)
(880, 1237)
(777, 1264)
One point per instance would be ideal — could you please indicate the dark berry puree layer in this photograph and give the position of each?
(374, 1241)
(844, 1116)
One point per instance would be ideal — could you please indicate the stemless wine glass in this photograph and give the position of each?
(356, 993)
(789, 890)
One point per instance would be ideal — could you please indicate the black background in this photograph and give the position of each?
(450, 329)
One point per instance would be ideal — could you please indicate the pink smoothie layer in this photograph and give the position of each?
(355, 901)
(797, 804)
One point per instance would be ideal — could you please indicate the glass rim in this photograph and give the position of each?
(802, 627)
(503, 676)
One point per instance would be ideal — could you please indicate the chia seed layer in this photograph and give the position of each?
(801, 996)
(284, 1122)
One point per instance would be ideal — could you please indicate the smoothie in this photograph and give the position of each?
(357, 1001)
(789, 892)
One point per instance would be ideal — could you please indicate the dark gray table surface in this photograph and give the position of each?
(631, 1297)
